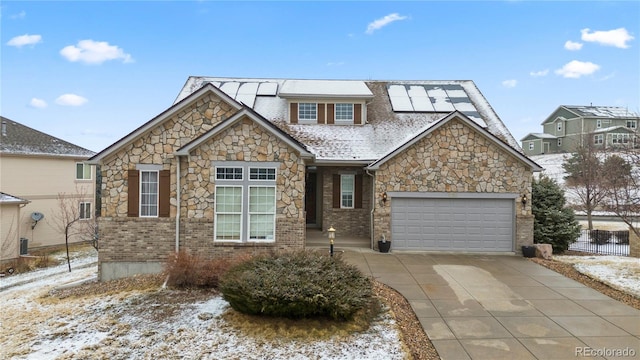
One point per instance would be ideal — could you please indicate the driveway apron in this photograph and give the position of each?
(504, 307)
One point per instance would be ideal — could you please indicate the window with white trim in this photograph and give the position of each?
(559, 141)
(307, 112)
(85, 211)
(245, 207)
(149, 185)
(598, 139)
(531, 145)
(632, 124)
(619, 139)
(347, 187)
(560, 126)
(228, 221)
(83, 171)
(598, 123)
(344, 112)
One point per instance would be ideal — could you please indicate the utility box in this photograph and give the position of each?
(24, 246)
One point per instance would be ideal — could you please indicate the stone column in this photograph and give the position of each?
(634, 244)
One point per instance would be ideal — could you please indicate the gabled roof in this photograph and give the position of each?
(435, 125)
(177, 107)
(615, 129)
(10, 199)
(538, 136)
(18, 139)
(255, 117)
(386, 126)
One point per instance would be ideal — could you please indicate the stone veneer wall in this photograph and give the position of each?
(347, 222)
(130, 240)
(455, 158)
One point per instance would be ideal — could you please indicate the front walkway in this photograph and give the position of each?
(503, 307)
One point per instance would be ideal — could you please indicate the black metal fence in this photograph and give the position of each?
(603, 242)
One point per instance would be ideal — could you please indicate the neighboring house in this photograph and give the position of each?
(568, 126)
(38, 167)
(246, 165)
(10, 208)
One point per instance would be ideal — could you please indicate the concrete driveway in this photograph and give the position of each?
(504, 307)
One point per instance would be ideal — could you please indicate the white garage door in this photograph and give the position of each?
(452, 224)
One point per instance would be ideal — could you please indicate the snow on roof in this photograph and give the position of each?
(23, 140)
(385, 128)
(540, 135)
(613, 128)
(10, 199)
(603, 111)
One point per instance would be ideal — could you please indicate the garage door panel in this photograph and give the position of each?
(452, 224)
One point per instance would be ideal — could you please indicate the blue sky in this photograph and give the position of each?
(91, 72)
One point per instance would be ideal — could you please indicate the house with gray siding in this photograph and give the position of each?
(247, 166)
(569, 126)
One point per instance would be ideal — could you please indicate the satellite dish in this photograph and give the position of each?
(37, 216)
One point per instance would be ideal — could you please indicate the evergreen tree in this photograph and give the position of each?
(554, 223)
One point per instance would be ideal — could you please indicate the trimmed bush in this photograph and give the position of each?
(599, 237)
(297, 285)
(186, 270)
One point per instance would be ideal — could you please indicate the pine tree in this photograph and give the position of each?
(554, 223)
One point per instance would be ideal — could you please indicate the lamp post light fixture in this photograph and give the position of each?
(524, 200)
(332, 236)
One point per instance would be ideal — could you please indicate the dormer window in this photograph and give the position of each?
(307, 111)
(344, 113)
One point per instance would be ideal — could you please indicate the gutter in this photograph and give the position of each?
(178, 193)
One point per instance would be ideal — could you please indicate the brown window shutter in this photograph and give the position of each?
(293, 113)
(133, 202)
(331, 114)
(321, 119)
(358, 192)
(336, 191)
(357, 114)
(164, 193)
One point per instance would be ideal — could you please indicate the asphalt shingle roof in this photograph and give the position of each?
(19, 139)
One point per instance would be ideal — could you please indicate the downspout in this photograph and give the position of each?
(178, 193)
(373, 206)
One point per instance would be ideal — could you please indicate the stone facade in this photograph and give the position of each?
(128, 240)
(455, 158)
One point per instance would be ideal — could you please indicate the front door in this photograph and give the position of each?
(310, 197)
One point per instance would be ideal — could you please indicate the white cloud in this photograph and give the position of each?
(71, 100)
(539, 73)
(335, 63)
(617, 37)
(573, 46)
(510, 83)
(38, 103)
(26, 39)
(576, 69)
(380, 23)
(20, 15)
(94, 52)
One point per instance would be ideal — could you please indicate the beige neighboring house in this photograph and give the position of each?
(244, 166)
(10, 207)
(36, 167)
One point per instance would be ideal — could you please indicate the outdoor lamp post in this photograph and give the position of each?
(332, 236)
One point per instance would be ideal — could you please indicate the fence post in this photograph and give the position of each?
(634, 244)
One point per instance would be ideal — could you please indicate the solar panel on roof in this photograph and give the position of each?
(267, 89)
(231, 88)
(440, 100)
(420, 99)
(399, 98)
(247, 93)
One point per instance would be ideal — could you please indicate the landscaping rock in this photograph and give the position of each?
(544, 251)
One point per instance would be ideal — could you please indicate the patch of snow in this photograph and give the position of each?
(622, 273)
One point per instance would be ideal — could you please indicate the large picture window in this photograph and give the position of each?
(245, 206)
(149, 193)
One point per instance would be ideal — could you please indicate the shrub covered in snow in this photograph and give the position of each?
(294, 285)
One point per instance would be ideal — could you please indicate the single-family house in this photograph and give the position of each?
(36, 167)
(241, 165)
(569, 126)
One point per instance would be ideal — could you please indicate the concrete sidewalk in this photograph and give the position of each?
(504, 307)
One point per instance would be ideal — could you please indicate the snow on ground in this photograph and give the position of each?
(151, 324)
(619, 272)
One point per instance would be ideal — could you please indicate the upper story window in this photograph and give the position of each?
(83, 171)
(307, 112)
(598, 123)
(632, 124)
(531, 145)
(560, 126)
(344, 113)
